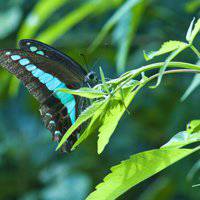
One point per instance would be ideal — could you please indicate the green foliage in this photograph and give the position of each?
(44, 9)
(193, 126)
(165, 48)
(135, 170)
(66, 23)
(40, 13)
(192, 32)
(182, 139)
(175, 47)
(193, 170)
(144, 165)
(113, 20)
(94, 123)
(115, 109)
(122, 90)
(89, 93)
(106, 111)
(190, 37)
(192, 6)
(109, 99)
(115, 103)
(85, 115)
(125, 33)
(194, 84)
(169, 58)
(189, 31)
(104, 84)
(9, 20)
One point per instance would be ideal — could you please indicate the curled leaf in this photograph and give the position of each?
(166, 47)
(192, 34)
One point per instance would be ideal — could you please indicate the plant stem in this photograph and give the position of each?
(134, 73)
(156, 75)
(125, 78)
(195, 50)
(159, 65)
(175, 71)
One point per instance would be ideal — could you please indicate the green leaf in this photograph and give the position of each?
(84, 92)
(116, 108)
(110, 121)
(182, 139)
(104, 84)
(125, 33)
(9, 20)
(194, 84)
(189, 31)
(67, 22)
(167, 61)
(84, 116)
(191, 135)
(94, 124)
(135, 170)
(166, 47)
(195, 168)
(192, 34)
(40, 13)
(101, 120)
(196, 185)
(193, 126)
(192, 6)
(112, 21)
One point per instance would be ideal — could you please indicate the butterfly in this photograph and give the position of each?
(43, 70)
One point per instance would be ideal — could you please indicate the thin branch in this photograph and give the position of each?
(156, 75)
(195, 50)
(174, 71)
(134, 73)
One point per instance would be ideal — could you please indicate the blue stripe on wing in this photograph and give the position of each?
(69, 101)
(52, 83)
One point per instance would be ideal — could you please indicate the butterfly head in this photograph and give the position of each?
(91, 79)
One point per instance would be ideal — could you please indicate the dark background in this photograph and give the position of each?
(29, 166)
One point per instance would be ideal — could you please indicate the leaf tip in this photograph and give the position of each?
(58, 147)
(189, 31)
(154, 86)
(146, 57)
(99, 150)
(183, 98)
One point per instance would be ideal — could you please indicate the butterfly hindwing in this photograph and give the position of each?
(43, 77)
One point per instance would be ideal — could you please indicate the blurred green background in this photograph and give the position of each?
(29, 167)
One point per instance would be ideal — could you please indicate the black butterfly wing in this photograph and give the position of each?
(51, 53)
(42, 77)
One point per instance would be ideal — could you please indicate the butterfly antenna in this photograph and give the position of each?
(85, 61)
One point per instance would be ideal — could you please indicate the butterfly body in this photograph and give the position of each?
(44, 70)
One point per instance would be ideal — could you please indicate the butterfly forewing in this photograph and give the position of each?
(43, 76)
(45, 50)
